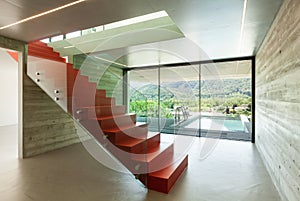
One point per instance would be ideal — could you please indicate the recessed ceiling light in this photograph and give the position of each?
(42, 14)
(138, 19)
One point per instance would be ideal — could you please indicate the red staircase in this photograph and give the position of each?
(141, 151)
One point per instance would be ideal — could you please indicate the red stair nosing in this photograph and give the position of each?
(116, 121)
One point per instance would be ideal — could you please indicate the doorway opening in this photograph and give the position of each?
(9, 112)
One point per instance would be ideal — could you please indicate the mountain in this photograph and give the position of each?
(190, 89)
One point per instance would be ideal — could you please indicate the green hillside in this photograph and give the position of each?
(216, 95)
(209, 89)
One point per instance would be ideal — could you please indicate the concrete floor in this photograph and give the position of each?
(232, 172)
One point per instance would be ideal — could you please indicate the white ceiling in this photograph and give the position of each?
(213, 25)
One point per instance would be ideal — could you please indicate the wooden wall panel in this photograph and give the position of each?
(278, 101)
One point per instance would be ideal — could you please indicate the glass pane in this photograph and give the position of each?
(226, 100)
(57, 38)
(73, 34)
(143, 97)
(46, 40)
(179, 100)
(88, 31)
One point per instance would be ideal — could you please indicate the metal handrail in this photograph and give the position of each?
(185, 113)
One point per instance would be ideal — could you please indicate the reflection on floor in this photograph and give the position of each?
(219, 170)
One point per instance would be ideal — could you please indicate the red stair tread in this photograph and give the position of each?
(167, 172)
(134, 141)
(114, 130)
(153, 152)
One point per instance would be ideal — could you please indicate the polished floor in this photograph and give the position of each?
(229, 171)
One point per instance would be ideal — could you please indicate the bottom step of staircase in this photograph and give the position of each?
(163, 180)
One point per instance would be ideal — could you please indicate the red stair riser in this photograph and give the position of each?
(100, 111)
(143, 147)
(164, 185)
(40, 47)
(134, 132)
(71, 77)
(104, 111)
(172, 180)
(43, 50)
(46, 55)
(105, 101)
(139, 132)
(81, 102)
(162, 160)
(117, 122)
(100, 93)
(151, 142)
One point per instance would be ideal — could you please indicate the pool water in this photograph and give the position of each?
(207, 123)
(217, 123)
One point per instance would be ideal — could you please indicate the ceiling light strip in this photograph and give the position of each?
(42, 14)
(243, 25)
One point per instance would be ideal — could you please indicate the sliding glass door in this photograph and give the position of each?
(226, 100)
(144, 97)
(209, 100)
(179, 100)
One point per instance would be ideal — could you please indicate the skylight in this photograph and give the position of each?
(138, 19)
(113, 25)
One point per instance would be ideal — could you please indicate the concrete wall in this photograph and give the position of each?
(278, 101)
(43, 125)
(8, 89)
(46, 126)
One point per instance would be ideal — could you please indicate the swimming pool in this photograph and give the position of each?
(221, 123)
(218, 123)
